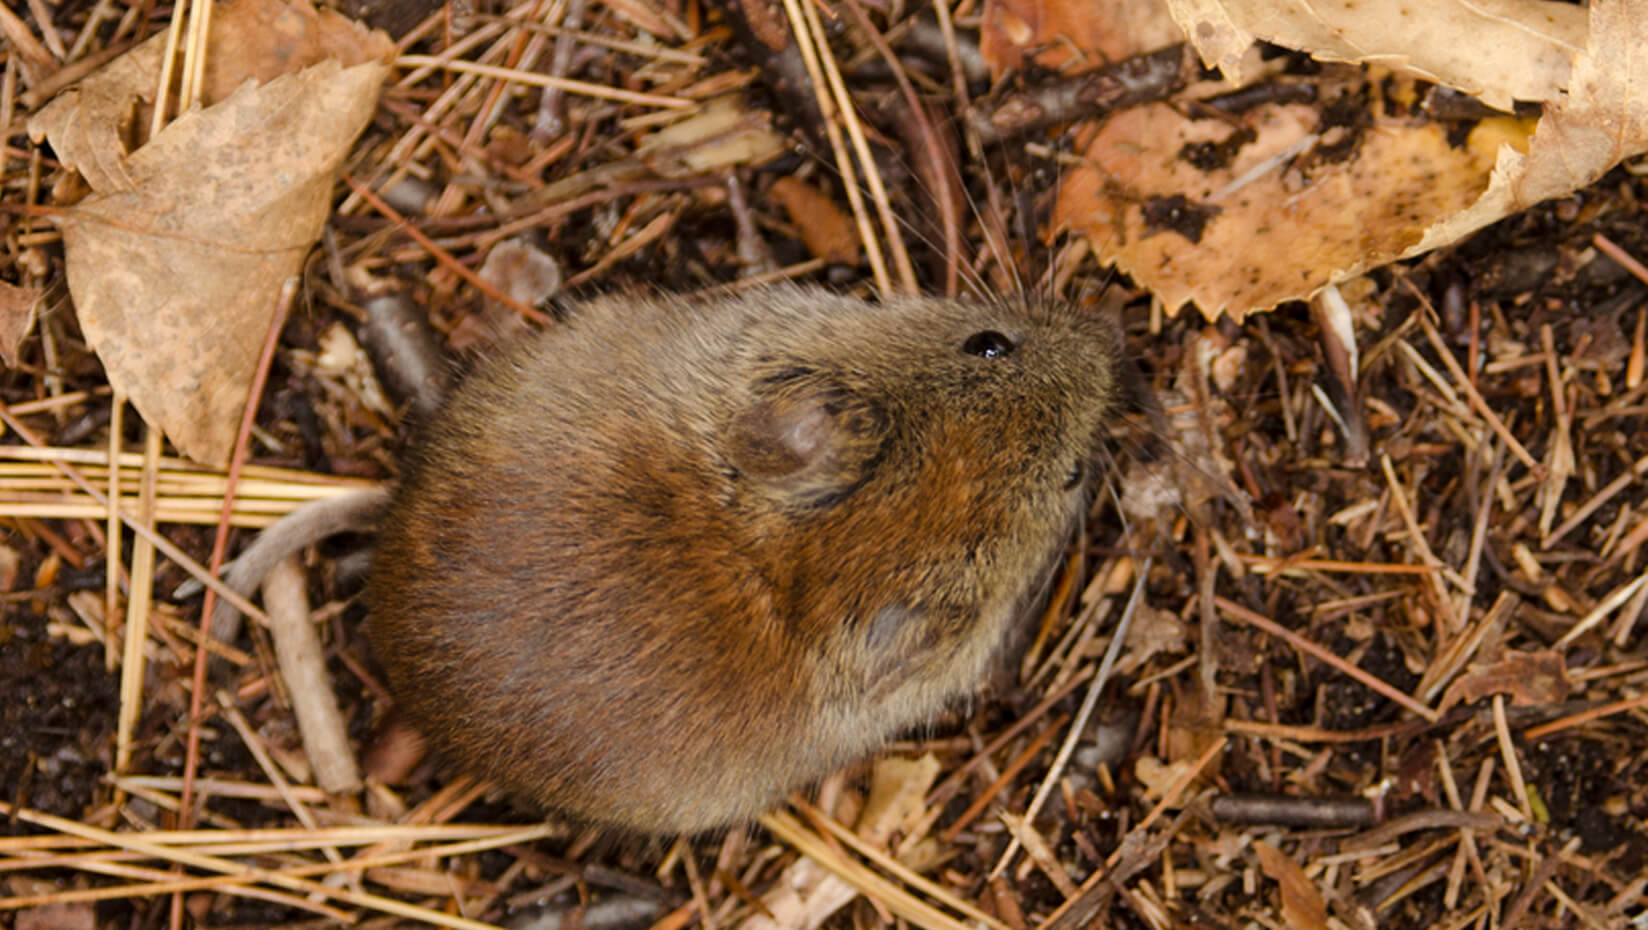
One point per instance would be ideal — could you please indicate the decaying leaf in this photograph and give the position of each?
(1302, 902)
(1496, 50)
(176, 260)
(1154, 632)
(898, 796)
(1600, 121)
(92, 125)
(806, 894)
(721, 133)
(1240, 211)
(827, 232)
(18, 308)
(1069, 35)
(1295, 206)
(1530, 678)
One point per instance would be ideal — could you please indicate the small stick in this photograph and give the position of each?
(1615, 598)
(1584, 716)
(1474, 396)
(1637, 470)
(1507, 750)
(1310, 813)
(938, 167)
(898, 869)
(534, 79)
(441, 255)
(1264, 564)
(1304, 734)
(232, 872)
(260, 754)
(1422, 546)
(1609, 248)
(861, 146)
(1089, 701)
(302, 663)
(111, 534)
(844, 164)
(859, 877)
(1006, 778)
(132, 664)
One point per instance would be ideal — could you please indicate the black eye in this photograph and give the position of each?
(1078, 474)
(988, 344)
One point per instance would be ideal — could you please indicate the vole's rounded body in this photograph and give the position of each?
(661, 565)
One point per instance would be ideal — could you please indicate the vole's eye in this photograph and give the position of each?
(988, 344)
(1078, 474)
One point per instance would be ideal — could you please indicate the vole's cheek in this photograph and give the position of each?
(888, 624)
(885, 648)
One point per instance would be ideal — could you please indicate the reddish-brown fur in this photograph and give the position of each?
(662, 565)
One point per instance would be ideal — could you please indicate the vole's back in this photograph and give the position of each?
(663, 565)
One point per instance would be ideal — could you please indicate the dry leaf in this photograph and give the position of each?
(18, 308)
(1495, 50)
(1530, 678)
(1154, 632)
(898, 797)
(827, 232)
(1302, 905)
(1303, 203)
(1070, 35)
(1602, 120)
(176, 261)
(1284, 216)
(90, 123)
(806, 894)
(75, 915)
(1157, 778)
(721, 133)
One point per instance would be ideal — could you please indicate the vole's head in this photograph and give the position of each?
(921, 464)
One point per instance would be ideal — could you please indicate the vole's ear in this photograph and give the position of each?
(807, 436)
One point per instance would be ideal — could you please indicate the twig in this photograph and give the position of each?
(132, 663)
(534, 79)
(1507, 750)
(1583, 513)
(1585, 716)
(1079, 725)
(1471, 393)
(302, 663)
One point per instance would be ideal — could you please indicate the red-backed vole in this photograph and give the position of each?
(661, 565)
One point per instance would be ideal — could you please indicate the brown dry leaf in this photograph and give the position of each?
(10, 564)
(1299, 206)
(1530, 678)
(827, 232)
(92, 123)
(18, 308)
(1154, 632)
(807, 894)
(1287, 215)
(176, 261)
(1302, 904)
(1600, 121)
(1496, 50)
(721, 133)
(74, 915)
(898, 797)
(1070, 35)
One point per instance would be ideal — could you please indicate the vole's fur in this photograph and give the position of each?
(659, 566)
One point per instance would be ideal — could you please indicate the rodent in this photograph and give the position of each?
(658, 566)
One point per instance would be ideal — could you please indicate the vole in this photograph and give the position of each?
(658, 566)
